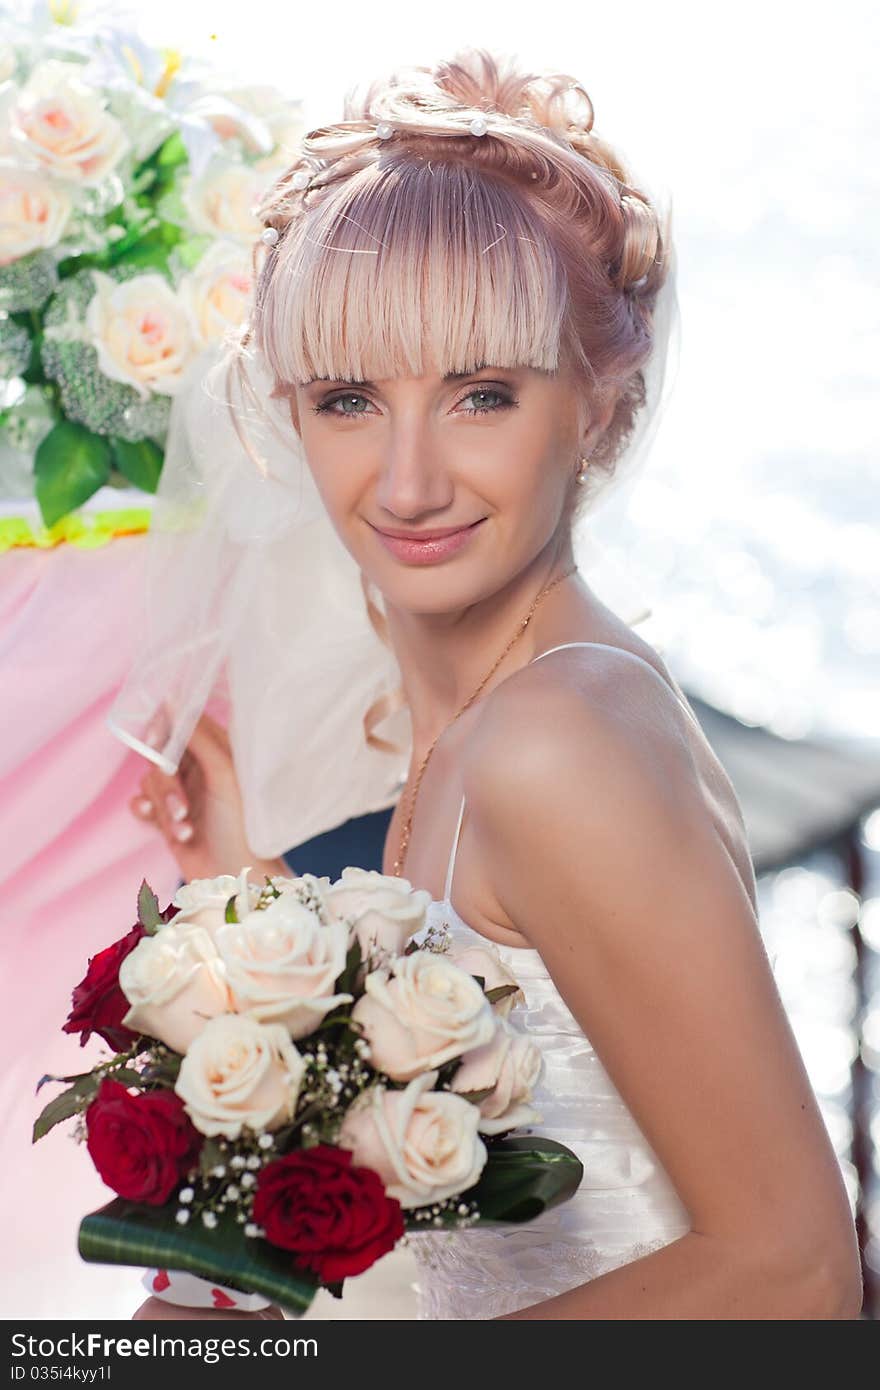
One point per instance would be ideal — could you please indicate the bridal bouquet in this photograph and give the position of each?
(128, 177)
(296, 1082)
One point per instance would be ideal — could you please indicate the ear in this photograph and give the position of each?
(603, 413)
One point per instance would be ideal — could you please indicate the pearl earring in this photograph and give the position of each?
(270, 236)
(581, 475)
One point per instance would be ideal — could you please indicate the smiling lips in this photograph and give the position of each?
(424, 548)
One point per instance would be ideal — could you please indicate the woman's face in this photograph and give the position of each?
(493, 451)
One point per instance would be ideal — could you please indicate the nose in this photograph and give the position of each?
(413, 478)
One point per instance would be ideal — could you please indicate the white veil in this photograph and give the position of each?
(248, 584)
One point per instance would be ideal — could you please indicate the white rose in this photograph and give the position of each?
(202, 901)
(486, 961)
(509, 1068)
(282, 964)
(240, 1072)
(426, 1013)
(174, 982)
(34, 212)
(388, 910)
(59, 122)
(221, 201)
(141, 332)
(423, 1143)
(216, 295)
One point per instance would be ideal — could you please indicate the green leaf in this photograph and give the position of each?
(500, 992)
(69, 1103)
(171, 153)
(353, 961)
(140, 461)
(230, 914)
(70, 465)
(149, 915)
(123, 1233)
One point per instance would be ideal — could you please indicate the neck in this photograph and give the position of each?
(443, 657)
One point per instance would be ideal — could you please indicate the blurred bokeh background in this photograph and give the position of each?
(754, 529)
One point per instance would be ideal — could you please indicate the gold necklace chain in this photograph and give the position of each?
(404, 840)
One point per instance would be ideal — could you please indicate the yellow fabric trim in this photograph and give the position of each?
(86, 530)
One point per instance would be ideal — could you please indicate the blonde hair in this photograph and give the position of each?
(526, 246)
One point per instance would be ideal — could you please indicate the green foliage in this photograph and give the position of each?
(71, 463)
(123, 1233)
(140, 461)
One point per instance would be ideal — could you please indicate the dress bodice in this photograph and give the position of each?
(625, 1205)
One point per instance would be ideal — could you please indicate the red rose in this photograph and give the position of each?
(338, 1219)
(99, 1005)
(141, 1145)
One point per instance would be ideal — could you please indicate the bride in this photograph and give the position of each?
(459, 305)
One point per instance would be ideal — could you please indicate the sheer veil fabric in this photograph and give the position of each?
(249, 590)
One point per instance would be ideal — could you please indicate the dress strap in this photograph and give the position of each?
(451, 866)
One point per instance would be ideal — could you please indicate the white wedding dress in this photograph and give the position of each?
(625, 1206)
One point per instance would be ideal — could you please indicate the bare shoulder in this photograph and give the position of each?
(592, 733)
(576, 710)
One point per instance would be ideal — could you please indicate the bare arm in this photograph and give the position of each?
(603, 853)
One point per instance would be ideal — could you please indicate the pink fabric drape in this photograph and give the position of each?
(72, 861)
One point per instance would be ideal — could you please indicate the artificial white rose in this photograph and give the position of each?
(59, 122)
(485, 960)
(34, 212)
(221, 201)
(141, 333)
(217, 294)
(202, 901)
(508, 1067)
(175, 982)
(387, 910)
(424, 1144)
(282, 964)
(240, 1073)
(422, 1015)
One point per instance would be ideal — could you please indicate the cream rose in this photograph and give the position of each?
(60, 122)
(423, 1143)
(426, 1013)
(221, 202)
(240, 1073)
(387, 910)
(174, 982)
(34, 212)
(282, 964)
(486, 961)
(216, 295)
(202, 901)
(141, 332)
(509, 1067)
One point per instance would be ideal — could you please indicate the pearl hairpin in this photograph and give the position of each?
(301, 179)
(384, 131)
(270, 236)
(478, 126)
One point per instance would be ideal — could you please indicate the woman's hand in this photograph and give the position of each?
(157, 1310)
(199, 809)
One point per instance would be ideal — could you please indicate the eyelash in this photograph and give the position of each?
(505, 403)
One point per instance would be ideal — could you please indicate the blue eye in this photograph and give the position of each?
(504, 402)
(326, 407)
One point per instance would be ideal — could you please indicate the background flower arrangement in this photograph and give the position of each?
(127, 179)
(297, 1081)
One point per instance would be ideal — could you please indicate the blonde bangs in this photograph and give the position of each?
(421, 266)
